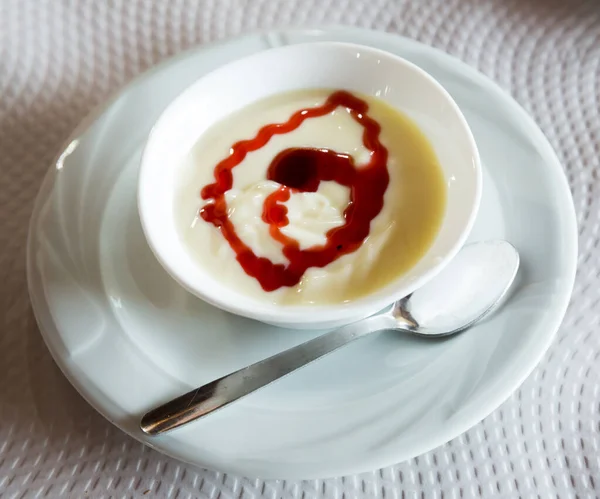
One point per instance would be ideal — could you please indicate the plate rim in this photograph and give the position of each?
(99, 402)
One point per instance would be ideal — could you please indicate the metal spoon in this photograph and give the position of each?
(469, 288)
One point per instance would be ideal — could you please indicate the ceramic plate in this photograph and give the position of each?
(129, 338)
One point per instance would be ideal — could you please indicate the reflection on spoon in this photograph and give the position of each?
(468, 289)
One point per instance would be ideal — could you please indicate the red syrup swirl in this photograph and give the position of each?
(302, 170)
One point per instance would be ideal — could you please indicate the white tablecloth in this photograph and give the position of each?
(58, 58)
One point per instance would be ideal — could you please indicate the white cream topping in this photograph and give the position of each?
(310, 216)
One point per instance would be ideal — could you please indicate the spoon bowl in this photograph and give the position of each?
(467, 290)
(464, 292)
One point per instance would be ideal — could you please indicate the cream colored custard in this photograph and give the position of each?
(400, 234)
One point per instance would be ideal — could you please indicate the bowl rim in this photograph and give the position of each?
(306, 314)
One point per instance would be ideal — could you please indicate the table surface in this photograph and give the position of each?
(59, 58)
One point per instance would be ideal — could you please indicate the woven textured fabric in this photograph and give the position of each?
(59, 58)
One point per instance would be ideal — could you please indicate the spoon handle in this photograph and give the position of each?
(216, 394)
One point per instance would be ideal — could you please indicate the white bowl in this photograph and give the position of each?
(312, 65)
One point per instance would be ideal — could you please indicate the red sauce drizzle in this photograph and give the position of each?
(301, 170)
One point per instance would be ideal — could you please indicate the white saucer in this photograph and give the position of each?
(128, 337)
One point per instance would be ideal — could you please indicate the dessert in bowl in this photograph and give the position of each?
(309, 186)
